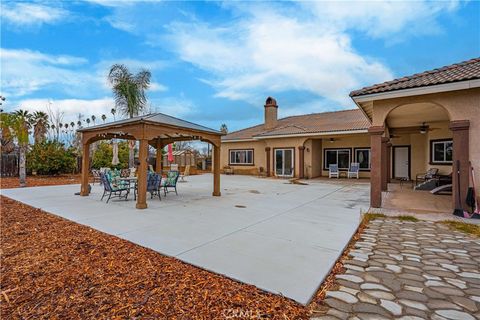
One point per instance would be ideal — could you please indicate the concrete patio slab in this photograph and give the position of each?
(281, 237)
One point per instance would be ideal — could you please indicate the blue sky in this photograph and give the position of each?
(216, 62)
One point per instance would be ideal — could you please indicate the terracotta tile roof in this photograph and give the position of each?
(345, 120)
(467, 70)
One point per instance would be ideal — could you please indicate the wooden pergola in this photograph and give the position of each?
(156, 130)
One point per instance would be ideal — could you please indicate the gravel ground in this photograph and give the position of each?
(54, 268)
(36, 181)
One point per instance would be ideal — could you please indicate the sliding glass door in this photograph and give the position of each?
(284, 162)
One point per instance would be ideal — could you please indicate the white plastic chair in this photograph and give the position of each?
(333, 171)
(354, 170)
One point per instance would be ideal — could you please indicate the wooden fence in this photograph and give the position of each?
(9, 165)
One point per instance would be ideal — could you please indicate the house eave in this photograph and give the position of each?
(460, 85)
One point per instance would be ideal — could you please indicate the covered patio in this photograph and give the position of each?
(156, 130)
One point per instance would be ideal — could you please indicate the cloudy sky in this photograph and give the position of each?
(216, 62)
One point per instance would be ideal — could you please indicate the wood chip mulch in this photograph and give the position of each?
(52, 268)
(36, 181)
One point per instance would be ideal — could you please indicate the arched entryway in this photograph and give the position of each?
(415, 138)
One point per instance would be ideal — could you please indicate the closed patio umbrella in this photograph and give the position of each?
(115, 160)
(170, 153)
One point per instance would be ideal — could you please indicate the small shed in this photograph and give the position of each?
(181, 157)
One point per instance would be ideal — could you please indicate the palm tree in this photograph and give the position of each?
(72, 124)
(93, 119)
(113, 113)
(223, 128)
(129, 92)
(104, 117)
(79, 123)
(88, 121)
(18, 124)
(40, 126)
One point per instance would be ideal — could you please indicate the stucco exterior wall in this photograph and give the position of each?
(460, 105)
(313, 153)
(258, 156)
(360, 140)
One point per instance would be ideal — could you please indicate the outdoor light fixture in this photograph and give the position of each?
(331, 140)
(423, 128)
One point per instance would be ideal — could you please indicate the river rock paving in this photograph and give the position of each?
(408, 270)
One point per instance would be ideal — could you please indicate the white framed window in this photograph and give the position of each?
(362, 156)
(341, 157)
(241, 156)
(441, 151)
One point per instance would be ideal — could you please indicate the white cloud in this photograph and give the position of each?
(304, 46)
(31, 14)
(25, 72)
(273, 53)
(71, 107)
(174, 106)
(382, 19)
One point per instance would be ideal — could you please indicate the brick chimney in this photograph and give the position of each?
(271, 109)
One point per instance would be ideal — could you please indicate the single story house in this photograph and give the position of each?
(401, 128)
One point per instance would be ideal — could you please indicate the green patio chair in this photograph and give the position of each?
(170, 182)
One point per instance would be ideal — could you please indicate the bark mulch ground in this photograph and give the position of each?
(36, 181)
(52, 268)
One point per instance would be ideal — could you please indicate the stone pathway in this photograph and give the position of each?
(409, 270)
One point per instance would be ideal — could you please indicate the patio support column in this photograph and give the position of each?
(85, 169)
(389, 162)
(301, 165)
(376, 133)
(216, 170)
(267, 157)
(460, 131)
(159, 159)
(384, 164)
(142, 175)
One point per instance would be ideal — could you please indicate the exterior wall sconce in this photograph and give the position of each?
(332, 140)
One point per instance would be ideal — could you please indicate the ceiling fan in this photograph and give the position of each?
(424, 128)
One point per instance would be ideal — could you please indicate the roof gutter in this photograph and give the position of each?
(313, 134)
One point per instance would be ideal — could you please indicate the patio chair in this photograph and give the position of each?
(333, 171)
(185, 173)
(228, 170)
(96, 176)
(422, 177)
(354, 170)
(170, 182)
(111, 189)
(154, 181)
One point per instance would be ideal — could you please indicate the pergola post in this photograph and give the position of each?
(216, 170)
(85, 169)
(142, 175)
(159, 159)
(376, 164)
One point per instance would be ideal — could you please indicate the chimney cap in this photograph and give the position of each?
(271, 102)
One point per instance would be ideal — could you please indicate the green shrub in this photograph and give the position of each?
(51, 157)
(103, 154)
